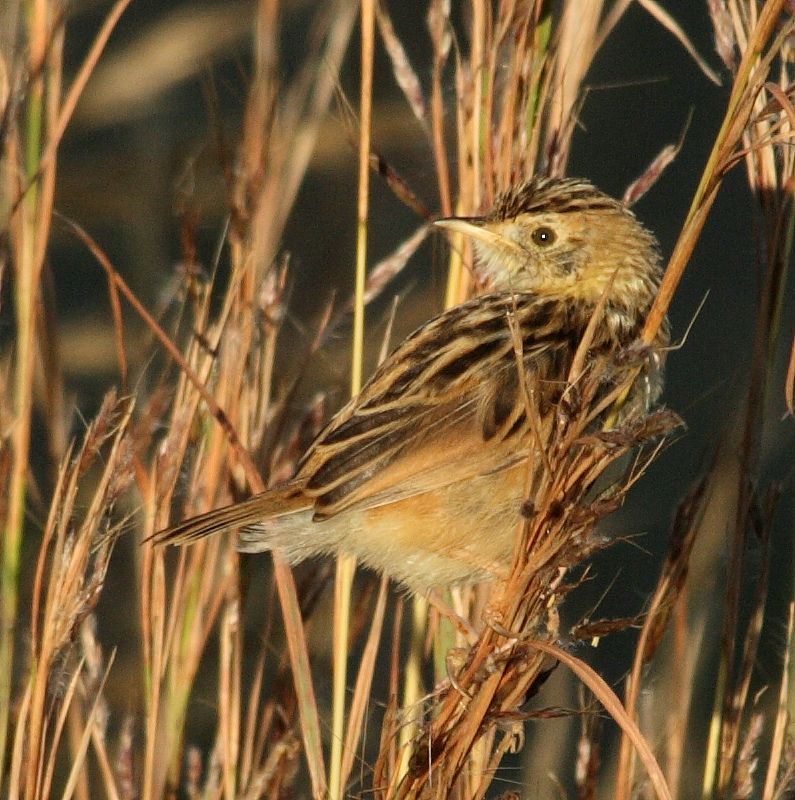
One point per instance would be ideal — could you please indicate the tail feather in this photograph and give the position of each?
(267, 505)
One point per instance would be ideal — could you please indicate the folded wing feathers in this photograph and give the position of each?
(435, 379)
(266, 505)
(428, 386)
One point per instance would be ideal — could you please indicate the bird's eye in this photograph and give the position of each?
(543, 236)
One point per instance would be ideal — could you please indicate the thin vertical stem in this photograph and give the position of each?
(25, 297)
(346, 565)
(412, 684)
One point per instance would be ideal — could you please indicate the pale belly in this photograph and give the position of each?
(461, 533)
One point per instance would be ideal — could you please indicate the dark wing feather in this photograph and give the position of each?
(448, 388)
(270, 504)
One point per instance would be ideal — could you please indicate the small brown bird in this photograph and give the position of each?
(422, 474)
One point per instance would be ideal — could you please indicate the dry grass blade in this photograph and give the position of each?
(789, 385)
(220, 415)
(346, 564)
(387, 763)
(724, 31)
(384, 271)
(652, 173)
(671, 25)
(575, 49)
(302, 676)
(29, 192)
(80, 80)
(229, 691)
(772, 789)
(44, 788)
(405, 76)
(747, 762)
(673, 578)
(398, 185)
(364, 681)
(71, 572)
(279, 141)
(607, 697)
(438, 20)
(784, 102)
(736, 703)
(586, 771)
(750, 77)
(78, 761)
(669, 587)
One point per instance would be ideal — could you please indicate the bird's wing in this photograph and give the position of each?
(447, 405)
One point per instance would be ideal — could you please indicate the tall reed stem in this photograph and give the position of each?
(346, 564)
(27, 275)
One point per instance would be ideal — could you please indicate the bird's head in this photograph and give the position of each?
(563, 238)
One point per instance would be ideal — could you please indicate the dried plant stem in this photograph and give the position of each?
(412, 685)
(750, 77)
(770, 176)
(778, 743)
(662, 596)
(343, 586)
(613, 705)
(363, 202)
(437, 23)
(364, 682)
(455, 268)
(81, 79)
(670, 591)
(78, 762)
(346, 564)
(12, 539)
(30, 229)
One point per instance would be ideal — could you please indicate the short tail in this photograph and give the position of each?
(261, 507)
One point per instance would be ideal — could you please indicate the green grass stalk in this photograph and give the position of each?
(25, 298)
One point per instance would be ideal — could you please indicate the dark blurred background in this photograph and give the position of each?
(138, 144)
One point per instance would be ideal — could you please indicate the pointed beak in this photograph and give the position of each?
(478, 228)
(471, 226)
